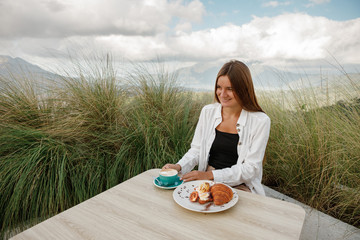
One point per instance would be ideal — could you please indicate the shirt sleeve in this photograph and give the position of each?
(250, 167)
(191, 158)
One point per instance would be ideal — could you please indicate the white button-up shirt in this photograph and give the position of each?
(253, 130)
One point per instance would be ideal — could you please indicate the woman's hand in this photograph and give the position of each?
(172, 166)
(198, 175)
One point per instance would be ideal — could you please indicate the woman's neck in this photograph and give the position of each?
(230, 112)
(230, 117)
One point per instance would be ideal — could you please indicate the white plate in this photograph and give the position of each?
(181, 196)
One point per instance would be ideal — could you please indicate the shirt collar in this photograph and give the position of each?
(243, 117)
(218, 112)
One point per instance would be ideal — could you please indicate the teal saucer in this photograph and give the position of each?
(158, 184)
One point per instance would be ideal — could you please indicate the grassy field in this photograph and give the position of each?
(63, 144)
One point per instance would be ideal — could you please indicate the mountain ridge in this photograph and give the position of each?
(198, 77)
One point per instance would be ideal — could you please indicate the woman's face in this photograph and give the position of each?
(225, 92)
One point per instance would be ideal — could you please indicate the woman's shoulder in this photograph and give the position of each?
(213, 109)
(212, 106)
(260, 116)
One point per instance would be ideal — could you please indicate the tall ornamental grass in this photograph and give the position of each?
(313, 154)
(88, 132)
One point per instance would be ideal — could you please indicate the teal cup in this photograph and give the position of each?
(168, 177)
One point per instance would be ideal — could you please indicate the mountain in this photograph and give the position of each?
(18, 67)
(201, 77)
(266, 77)
(198, 77)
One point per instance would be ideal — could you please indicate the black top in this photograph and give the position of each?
(223, 152)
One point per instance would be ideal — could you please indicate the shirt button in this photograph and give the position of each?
(240, 143)
(238, 125)
(238, 129)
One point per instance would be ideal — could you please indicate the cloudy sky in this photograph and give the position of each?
(276, 33)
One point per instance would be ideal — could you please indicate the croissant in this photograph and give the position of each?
(221, 194)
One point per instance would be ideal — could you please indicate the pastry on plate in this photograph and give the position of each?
(221, 193)
(218, 193)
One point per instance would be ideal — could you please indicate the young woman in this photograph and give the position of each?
(231, 135)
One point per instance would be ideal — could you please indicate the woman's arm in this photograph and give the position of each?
(197, 175)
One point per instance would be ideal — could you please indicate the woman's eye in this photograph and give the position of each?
(230, 88)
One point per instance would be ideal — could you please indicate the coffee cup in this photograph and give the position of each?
(168, 176)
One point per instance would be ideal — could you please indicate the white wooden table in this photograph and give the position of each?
(136, 209)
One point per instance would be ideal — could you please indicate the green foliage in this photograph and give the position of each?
(313, 155)
(67, 144)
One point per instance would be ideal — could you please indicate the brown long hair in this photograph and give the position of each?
(241, 83)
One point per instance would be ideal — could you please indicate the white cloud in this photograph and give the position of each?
(53, 18)
(183, 27)
(140, 30)
(140, 48)
(287, 36)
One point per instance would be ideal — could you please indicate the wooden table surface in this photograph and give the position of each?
(136, 209)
